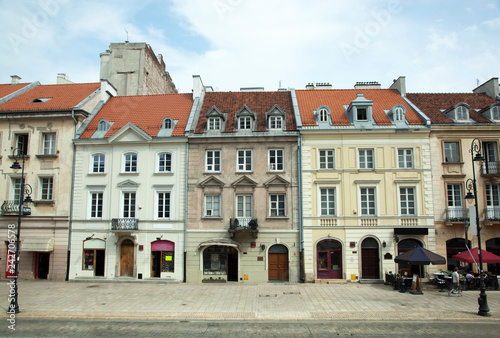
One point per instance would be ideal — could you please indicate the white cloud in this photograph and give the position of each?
(439, 42)
(494, 23)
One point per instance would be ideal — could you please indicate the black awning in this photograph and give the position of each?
(411, 231)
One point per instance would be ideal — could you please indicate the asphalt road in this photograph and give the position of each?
(83, 328)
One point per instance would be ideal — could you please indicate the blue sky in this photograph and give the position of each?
(439, 45)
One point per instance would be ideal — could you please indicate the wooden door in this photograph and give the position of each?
(278, 266)
(127, 258)
(370, 263)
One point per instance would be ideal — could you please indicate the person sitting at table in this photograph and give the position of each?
(469, 277)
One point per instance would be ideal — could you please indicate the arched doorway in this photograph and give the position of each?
(220, 262)
(278, 263)
(454, 246)
(329, 259)
(162, 257)
(408, 269)
(127, 258)
(370, 259)
(493, 246)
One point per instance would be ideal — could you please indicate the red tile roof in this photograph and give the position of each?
(432, 104)
(258, 102)
(62, 97)
(145, 111)
(335, 99)
(6, 89)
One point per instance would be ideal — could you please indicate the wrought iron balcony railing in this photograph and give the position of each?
(456, 214)
(127, 224)
(248, 225)
(12, 208)
(492, 213)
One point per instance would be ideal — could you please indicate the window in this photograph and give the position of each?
(327, 201)
(495, 113)
(98, 161)
(407, 200)
(163, 205)
(361, 114)
(49, 143)
(212, 205)
(275, 122)
(455, 209)
(129, 204)
(165, 162)
(213, 160)
(213, 123)
(276, 160)
(96, 200)
(451, 152)
(16, 183)
(277, 205)
(244, 160)
(167, 123)
(22, 144)
(399, 114)
(130, 163)
(103, 125)
(367, 201)
(47, 184)
(462, 113)
(405, 158)
(245, 122)
(492, 201)
(366, 158)
(323, 115)
(327, 159)
(244, 206)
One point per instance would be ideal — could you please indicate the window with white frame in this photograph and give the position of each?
(407, 201)
(167, 123)
(275, 122)
(462, 113)
(49, 143)
(244, 206)
(130, 163)
(405, 158)
(47, 187)
(212, 161)
(244, 160)
(164, 162)
(16, 185)
(213, 123)
(98, 163)
(367, 199)
(277, 205)
(212, 206)
(495, 113)
(323, 115)
(276, 160)
(103, 125)
(245, 122)
(454, 194)
(163, 204)
(129, 204)
(399, 114)
(327, 159)
(451, 152)
(96, 204)
(365, 158)
(493, 201)
(327, 196)
(22, 144)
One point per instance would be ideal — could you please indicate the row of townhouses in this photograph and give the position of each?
(249, 186)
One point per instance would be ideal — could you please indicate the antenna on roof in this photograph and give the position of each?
(127, 36)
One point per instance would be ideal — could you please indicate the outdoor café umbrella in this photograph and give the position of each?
(465, 256)
(420, 256)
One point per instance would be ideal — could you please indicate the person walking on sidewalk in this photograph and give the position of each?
(456, 283)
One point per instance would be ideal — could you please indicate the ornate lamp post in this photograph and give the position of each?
(23, 189)
(475, 150)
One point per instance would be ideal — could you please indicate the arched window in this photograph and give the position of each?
(462, 113)
(103, 125)
(399, 114)
(323, 115)
(167, 123)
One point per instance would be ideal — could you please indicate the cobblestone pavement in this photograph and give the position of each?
(241, 302)
(84, 328)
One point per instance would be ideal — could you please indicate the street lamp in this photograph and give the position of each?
(475, 150)
(23, 189)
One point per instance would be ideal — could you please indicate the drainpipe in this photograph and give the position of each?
(185, 208)
(301, 220)
(71, 198)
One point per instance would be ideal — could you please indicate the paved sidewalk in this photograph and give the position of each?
(241, 302)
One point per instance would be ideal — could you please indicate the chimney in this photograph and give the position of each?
(319, 85)
(15, 79)
(399, 85)
(367, 85)
(489, 88)
(63, 79)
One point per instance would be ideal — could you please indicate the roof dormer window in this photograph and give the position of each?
(399, 114)
(103, 125)
(215, 120)
(360, 111)
(462, 113)
(275, 122)
(245, 119)
(167, 123)
(244, 122)
(213, 123)
(41, 100)
(361, 114)
(495, 113)
(323, 115)
(276, 119)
